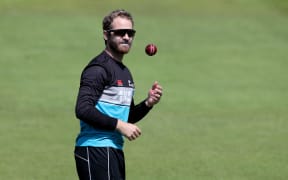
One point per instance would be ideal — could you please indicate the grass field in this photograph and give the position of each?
(223, 65)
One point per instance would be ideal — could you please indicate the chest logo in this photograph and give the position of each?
(119, 83)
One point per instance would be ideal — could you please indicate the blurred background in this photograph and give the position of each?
(222, 64)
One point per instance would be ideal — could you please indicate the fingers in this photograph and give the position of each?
(156, 87)
(134, 134)
(130, 131)
(155, 84)
(157, 91)
(154, 94)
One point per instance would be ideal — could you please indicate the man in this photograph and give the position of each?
(105, 105)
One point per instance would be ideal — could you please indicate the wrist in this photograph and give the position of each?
(119, 125)
(148, 104)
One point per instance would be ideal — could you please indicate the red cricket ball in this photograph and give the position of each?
(151, 49)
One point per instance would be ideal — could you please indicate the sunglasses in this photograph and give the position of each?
(122, 32)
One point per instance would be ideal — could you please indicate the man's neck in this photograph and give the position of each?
(118, 57)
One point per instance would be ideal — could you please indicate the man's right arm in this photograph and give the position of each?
(91, 87)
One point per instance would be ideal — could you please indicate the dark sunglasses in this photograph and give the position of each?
(122, 32)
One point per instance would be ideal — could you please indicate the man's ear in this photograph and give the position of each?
(105, 35)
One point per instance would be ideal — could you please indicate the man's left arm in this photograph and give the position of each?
(141, 110)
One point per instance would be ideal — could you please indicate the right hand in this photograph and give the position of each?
(130, 131)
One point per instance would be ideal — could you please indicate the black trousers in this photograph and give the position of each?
(99, 163)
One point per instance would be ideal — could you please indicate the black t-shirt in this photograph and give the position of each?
(101, 82)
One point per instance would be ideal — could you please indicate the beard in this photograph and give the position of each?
(119, 47)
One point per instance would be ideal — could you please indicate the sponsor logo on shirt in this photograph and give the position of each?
(119, 83)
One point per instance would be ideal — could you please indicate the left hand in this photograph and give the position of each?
(154, 95)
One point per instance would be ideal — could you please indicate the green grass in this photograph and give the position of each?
(223, 66)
